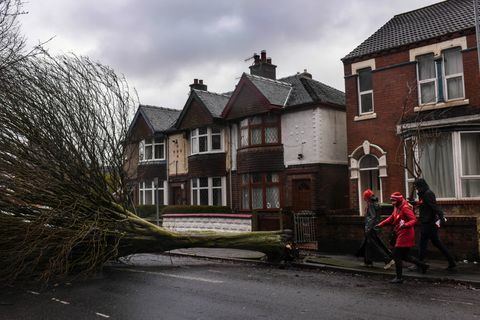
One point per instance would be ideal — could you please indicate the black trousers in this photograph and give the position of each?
(373, 244)
(430, 232)
(403, 254)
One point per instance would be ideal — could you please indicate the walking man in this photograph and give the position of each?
(431, 216)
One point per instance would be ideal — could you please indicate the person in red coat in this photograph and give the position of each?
(403, 221)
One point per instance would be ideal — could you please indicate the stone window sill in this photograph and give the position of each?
(365, 117)
(441, 105)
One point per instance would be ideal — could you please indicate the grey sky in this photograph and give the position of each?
(162, 45)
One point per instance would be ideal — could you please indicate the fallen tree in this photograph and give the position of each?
(63, 193)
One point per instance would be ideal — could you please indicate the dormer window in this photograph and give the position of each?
(259, 130)
(151, 149)
(206, 139)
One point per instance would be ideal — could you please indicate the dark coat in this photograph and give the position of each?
(428, 209)
(372, 216)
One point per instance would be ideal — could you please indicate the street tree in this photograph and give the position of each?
(63, 191)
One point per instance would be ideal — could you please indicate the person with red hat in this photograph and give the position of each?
(403, 220)
(372, 241)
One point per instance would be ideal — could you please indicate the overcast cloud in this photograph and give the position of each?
(162, 45)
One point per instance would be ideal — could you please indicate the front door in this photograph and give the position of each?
(301, 195)
(178, 198)
(369, 179)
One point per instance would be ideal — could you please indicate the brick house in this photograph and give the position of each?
(288, 144)
(147, 154)
(413, 107)
(199, 149)
(270, 145)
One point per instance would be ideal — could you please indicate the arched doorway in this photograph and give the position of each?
(369, 177)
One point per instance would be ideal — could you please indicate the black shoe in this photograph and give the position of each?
(413, 268)
(424, 268)
(452, 266)
(396, 280)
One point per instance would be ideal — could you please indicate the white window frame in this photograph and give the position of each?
(142, 146)
(360, 93)
(457, 167)
(455, 75)
(143, 187)
(210, 188)
(420, 82)
(195, 141)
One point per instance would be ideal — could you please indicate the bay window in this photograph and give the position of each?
(365, 91)
(151, 149)
(450, 163)
(259, 130)
(206, 139)
(148, 192)
(209, 191)
(260, 191)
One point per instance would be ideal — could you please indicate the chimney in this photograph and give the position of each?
(262, 66)
(306, 74)
(198, 84)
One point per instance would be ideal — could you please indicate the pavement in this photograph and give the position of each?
(466, 272)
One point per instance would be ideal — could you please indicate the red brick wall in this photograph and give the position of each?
(246, 101)
(196, 116)
(391, 97)
(344, 234)
(207, 165)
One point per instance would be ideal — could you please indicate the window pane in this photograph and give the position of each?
(365, 79)
(202, 130)
(470, 153)
(257, 201)
(203, 182)
(141, 150)
(216, 130)
(471, 188)
(455, 87)
(148, 152)
(427, 93)
(256, 136)
(366, 102)
(217, 182)
(217, 197)
(272, 177)
(194, 145)
(453, 61)
(245, 178)
(244, 123)
(273, 197)
(148, 197)
(245, 199)
(426, 67)
(141, 197)
(216, 142)
(271, 135)
(159, 151)
(244, 137)
(436, 162)
(204, 197)
(195, 197)
(256, 178)
(160, 196)
(368, 161)
(158, 140)
(194, 183)
(202, 144)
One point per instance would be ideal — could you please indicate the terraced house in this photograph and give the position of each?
(413, 108)
(270, 145)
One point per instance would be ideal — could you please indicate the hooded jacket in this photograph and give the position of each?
(428, 209)
(372, 216)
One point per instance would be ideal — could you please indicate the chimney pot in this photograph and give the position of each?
(201, 81)
(264, 55)
(269, 60)
(195, 81)
(199, 85)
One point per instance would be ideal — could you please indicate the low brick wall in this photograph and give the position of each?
(208, 222)
(344, 234)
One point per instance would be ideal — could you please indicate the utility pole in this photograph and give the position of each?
(476, 10)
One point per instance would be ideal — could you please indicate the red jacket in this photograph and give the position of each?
(406, 233)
